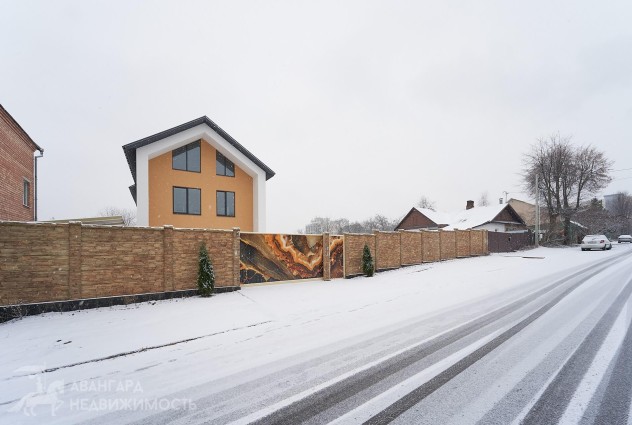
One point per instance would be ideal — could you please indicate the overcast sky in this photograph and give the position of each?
(360, 107)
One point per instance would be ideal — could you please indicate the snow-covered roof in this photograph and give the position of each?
(467, 219)
(474, 217)
(438, 217)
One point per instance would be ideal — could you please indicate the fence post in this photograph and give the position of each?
(400, 249)
(456, 243)
(486, 242)
(469, 242)
(375, 254)
(344, 255)
(326, 257)
(236, 256)
(167, 258)
(74, 260)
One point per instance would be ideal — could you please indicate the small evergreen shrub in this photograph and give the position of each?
(206, 274)
(367, 262)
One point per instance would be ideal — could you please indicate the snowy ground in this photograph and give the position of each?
(158, 349)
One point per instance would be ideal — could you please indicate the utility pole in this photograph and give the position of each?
(537, 211)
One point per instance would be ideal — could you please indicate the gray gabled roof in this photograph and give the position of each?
(130, 148)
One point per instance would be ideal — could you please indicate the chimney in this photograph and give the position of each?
(470, 205)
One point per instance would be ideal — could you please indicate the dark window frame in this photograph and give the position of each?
(225, 192)
(220, 157)
(26, 193)
(173, 200)
(187, 148)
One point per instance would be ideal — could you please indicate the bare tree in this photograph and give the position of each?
(378, 222)
(129, 215)
(342, 225)
(483, 201)
(425, 202)
(567, 175)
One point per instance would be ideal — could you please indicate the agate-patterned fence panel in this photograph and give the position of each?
(277, 257)
(336, 256)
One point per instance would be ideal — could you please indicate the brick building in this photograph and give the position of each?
(18, 179)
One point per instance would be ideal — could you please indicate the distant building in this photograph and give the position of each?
(609, 201)
(115, 220)
(313, 229)
(18, 174)
(526, 210)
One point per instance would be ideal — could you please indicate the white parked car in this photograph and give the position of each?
(625, 238)
(595, 242)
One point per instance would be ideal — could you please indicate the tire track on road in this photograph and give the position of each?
(555, 399)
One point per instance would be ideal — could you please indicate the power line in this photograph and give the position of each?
(622, 169)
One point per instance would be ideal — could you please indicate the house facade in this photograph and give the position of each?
(197, 176)
(18, 176)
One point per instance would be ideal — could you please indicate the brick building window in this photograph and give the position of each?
(224, 166)
(26, 193)
(186, 158)
(225, 203)
(186, 200)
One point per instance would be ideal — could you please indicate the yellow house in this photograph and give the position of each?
(196, 175)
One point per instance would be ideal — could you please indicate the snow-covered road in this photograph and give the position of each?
(531, 336)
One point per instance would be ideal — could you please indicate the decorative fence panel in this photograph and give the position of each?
(275, 257)
(336, 256)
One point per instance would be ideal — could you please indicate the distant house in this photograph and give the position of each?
(421, 218)
(495, 218)
(18, 172)
(196, 175)
(526, 211)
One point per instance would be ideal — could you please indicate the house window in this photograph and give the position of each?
(224, 166)
(186, 200)
(225, 203)
(187, 158)
(26, 193)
